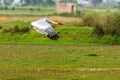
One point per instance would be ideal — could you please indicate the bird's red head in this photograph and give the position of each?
(61, 23)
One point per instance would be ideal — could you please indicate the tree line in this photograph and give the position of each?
(45, 3)
(40, 2)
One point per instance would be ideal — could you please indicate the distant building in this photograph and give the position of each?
(65, 8)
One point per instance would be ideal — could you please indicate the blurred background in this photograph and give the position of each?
(54, 7)
(52, 3)
(49, 6)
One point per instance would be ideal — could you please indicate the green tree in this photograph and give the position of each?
(8, 2)
(6, 7)
(48, 3)
(44, 3)
(71, 1)
(96, 3)
(119, 5)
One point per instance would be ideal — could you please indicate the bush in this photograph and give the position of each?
(78, 12)
(112, 24)
(98, 30)
(0, 27)
(13, 8)
(31, 9)
(6, 8)
(66, 14)
(89, 19)
(104, 24)
(107, 39)
(24, 29)
(16, 29)
(6, 30)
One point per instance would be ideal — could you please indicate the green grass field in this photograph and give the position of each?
(59, 62)
(28, 12)
(77, 55)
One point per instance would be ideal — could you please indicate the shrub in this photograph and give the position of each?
(13, 8)
(11, 30)
(6, 8)
(117, 23)
(6, 30)
(112, 24)
(78, 13)
(0, 27)
(31, 9)
(89, 19)
(24, 29)
(16, 29)
(107, 39)
(98, 30)
(104, 24)
(66, 14)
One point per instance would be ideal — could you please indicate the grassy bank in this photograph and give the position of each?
(80, 30)
(68, 35)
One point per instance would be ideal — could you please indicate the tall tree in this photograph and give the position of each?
(2, 2)
(48, 3)
(71, 1)
(96, 3)
(119, 5)
(7, 2)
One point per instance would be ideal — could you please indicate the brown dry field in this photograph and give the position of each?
(32, 18)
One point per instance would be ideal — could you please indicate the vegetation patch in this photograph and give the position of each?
(59, 61)
(104, 25)
(94, 55)
(16, 29)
